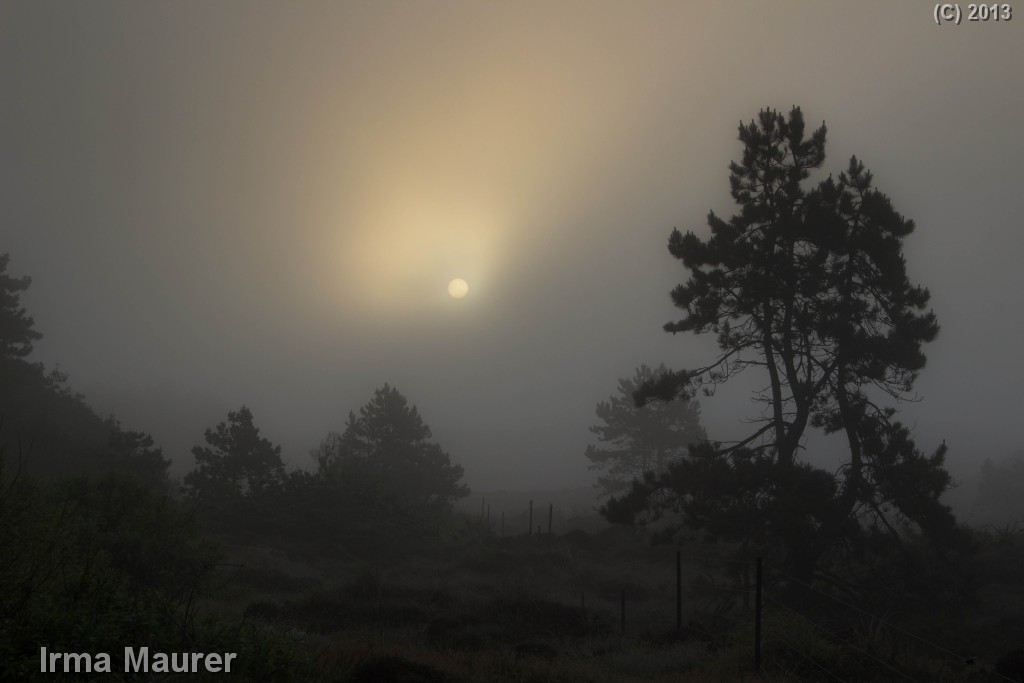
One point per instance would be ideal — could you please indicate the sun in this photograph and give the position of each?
(458, 288)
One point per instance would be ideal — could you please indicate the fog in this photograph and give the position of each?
(263, 204)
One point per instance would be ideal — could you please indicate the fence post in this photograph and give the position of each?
(746, 586)
(757, 618)
(679, 589)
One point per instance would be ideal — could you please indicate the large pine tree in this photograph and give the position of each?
(809, 287)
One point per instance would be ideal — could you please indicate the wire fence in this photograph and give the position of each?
(838, 626)
(858, 634)
(808, 631)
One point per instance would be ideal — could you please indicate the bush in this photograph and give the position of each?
(93, 566)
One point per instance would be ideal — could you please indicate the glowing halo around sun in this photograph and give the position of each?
(458, 288)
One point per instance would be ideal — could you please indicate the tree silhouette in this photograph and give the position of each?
(808, 287)
(135, 454)
(16, 327)
(236, 462)
(61, 433)
(1000, 497)
(387, 448)
(640, 439)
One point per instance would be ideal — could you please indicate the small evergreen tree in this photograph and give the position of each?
(16, 326)
(1000, 498)
(640, 439)
(387, 448)
(237, 461)
(135, 454)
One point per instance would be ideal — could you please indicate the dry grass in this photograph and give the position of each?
(485, 609)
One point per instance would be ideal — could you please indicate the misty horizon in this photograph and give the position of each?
(237, 205)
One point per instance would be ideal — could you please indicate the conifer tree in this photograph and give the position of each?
(236, 461)
(387, 448)
(637, 440)
(17, 330)
(807, 286)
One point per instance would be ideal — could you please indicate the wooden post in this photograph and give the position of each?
(623, 610)
(757, 617)
(679, 589)
(551, 511)
(746, 586)
(529, 527)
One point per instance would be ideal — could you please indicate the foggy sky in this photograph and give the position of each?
(228, 203)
